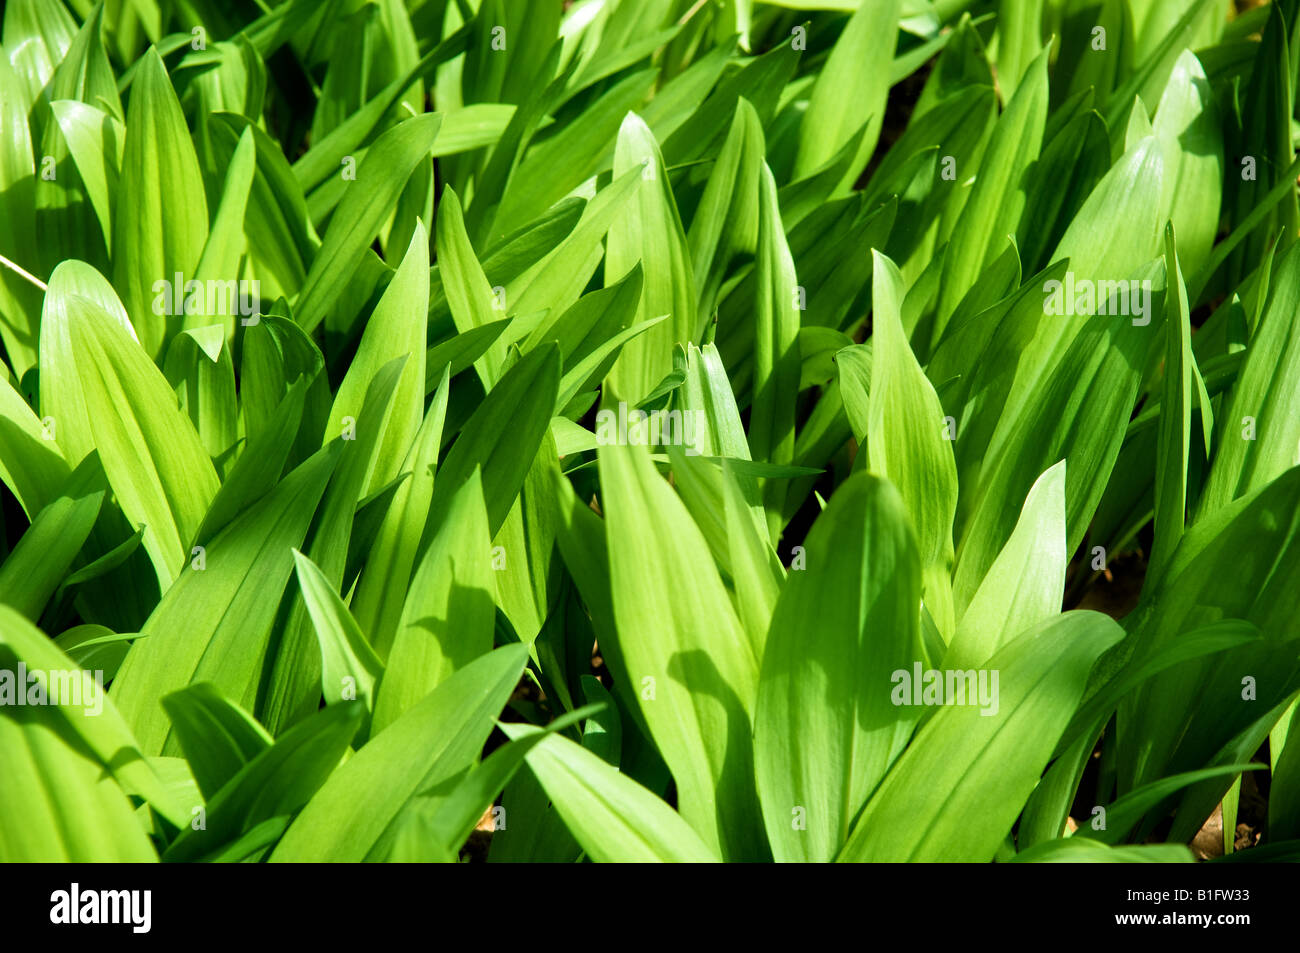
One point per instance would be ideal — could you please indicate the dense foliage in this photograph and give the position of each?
(732, 430)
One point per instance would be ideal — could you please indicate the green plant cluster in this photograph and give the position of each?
(686, 430)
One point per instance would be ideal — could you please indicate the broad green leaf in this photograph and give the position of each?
(1230, 565)
(396, 328)
(725, 224)
(909, 441)
(214, 623)
(757, 574)
(351, 817)
(218, 737)
(615, 819)
(225, 245)
(61, 400)
(57, 804)
(555, 281)
(1261, 428)
(380, 178)
(95, 141)
(1026, 583)
(967, 772)
(277, 781)
(258, 467)
(574, 154)
(447, 618)
(1188, 125)
(1080, 850)
(295, 680)
(1125, 812)
(160, 233)
(199, 367)
(433, 827)
(1076, 413)
(696, 671)
(850, 90)
(84, 718)
(386, 578)
(471, 299)
(1000, 191)
(19, 297)
(501, 437)
(649, 230)
(45, 552)
(826, 731)
(159, 470)
(39, 35)
(349, 666)
(31, 465)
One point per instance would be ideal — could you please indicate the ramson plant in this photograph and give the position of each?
(691, 430)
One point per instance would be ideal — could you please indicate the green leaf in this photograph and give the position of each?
(1076, 412)
(825, 731)
(85, 722)
(160, 232)
(575, 153)
(447, 618)
(294, 685)
(349, 666)
(756, 572)
(554, 282)
(850, 90)
(1261, 429)
(1079, 850)
(95, 141)
(725, 225)
(776, 349)
(470, 297)
(214, 623)
(501, 437)
(1000, 192)
(225, 246)
(1124, 813)
(906, 440)
(351, 817)
(696, 671)
(435, 826)
(1188, 124)
(277, 781)
(218, 737)
(396, 328)
(965, 776)
(1175, 416)
(46, 550)
(57, 804)
(650, 231)
(615, 819)
(19, 298)
(386, 578)
(1025, 585)
(199, 367)
(380, 178)
(158, 468)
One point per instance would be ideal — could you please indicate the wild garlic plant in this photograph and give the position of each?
(736, 430)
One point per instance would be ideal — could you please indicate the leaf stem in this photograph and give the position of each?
(22, 271)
